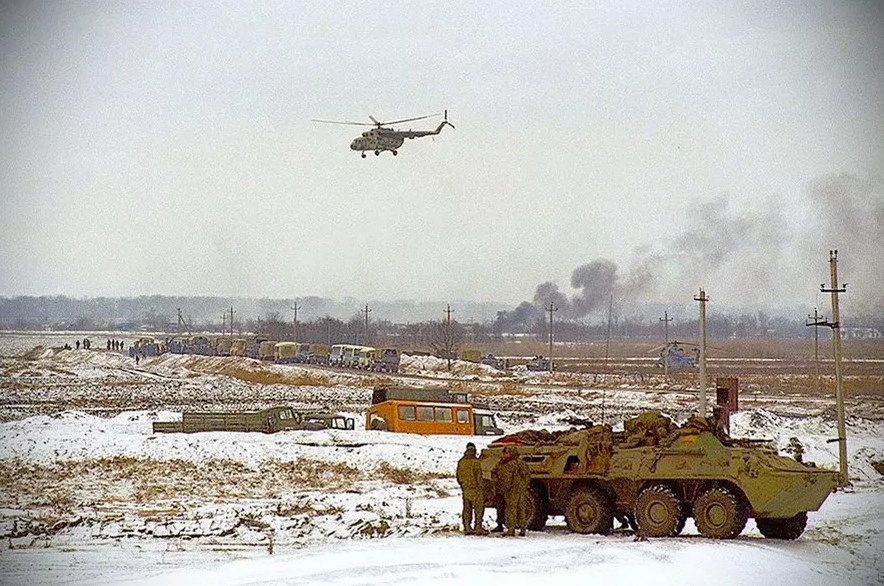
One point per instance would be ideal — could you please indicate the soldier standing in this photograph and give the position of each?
(499, 500)
(469, 477)
(513, 478)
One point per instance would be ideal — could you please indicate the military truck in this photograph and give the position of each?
(655, 475)
(386, 360)
(265, 421)
(538, 364)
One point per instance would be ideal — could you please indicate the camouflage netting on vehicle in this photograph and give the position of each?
(648, 429)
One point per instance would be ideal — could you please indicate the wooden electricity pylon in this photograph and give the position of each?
(366, 311)
(816, 320)
(836, 343)
(552, 308)
(449, 336)
(703, 300)
(666, 319)
(295, 309)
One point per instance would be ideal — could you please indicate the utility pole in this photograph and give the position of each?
(666, 319)
(180, 319)
(702, 299)
(366, 311)
(836, 343)
(608, 337)
(231, 321)
(295, 309)
(223, 323)
(448, 334)
(816, 320)
(552, 308)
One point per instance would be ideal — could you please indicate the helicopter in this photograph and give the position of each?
(380, 138)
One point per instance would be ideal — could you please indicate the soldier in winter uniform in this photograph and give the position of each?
(469, 477)
(499, 501)
(513, 479)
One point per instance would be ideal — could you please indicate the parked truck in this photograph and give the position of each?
(265, 421)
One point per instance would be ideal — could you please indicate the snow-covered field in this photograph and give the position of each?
(89, 495)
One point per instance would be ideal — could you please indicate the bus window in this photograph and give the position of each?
(443, 414)
(463, 416)
(424, 413)
(406, 412)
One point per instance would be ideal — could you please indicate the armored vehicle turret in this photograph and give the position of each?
(655, 475)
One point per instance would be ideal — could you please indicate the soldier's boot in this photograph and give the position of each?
(480, 531)
(497, 529)
(521, 533)
(510, 532)
(467, 531)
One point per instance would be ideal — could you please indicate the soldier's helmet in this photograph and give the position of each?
(471, 447)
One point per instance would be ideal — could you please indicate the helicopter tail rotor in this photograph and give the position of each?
(445, 120)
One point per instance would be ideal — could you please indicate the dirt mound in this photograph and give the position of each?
(39, 352)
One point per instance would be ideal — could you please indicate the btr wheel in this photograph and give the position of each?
(538, 509)
(719, 514)
(589, 511)
(790, 528)
(657, 511)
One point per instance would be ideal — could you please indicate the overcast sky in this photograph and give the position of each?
(167, 147)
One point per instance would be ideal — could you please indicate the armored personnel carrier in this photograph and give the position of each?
(655, 475)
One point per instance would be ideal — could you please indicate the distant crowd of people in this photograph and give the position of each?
(116, 345)
(86, 344)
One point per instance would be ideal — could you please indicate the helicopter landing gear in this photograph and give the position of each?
(363, 154)
(395, 153)
(376, 153)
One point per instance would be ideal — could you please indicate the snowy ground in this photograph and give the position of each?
(89, 495)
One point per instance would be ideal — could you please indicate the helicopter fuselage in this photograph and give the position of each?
(374, 140)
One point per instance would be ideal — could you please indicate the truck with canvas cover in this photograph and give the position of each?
(386, 360)
(312, 354)
(265, 421)
(266, 350)
(284, 352)
(655, 475)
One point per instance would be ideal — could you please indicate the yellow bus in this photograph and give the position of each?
(428, 411)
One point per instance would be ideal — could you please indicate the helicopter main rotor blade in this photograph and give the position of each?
(343, 122)
(411, 119)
